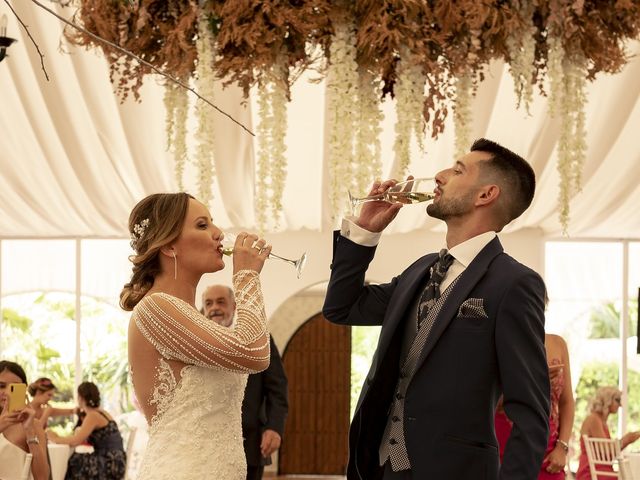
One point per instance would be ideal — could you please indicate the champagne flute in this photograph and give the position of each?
(415, 190)
(227, 249)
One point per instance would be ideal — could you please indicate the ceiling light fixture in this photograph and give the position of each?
(5, 41)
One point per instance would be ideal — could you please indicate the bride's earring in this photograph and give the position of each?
(175, 266)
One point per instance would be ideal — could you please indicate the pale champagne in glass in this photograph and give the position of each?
(416, 190)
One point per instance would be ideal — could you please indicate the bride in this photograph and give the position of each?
(188, 372)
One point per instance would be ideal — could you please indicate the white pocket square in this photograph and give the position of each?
(472, 307)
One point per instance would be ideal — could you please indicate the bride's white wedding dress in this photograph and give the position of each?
(196, 432)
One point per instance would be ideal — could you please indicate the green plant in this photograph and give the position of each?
(13, 320)
(363, 344)
(38, 331)
(604, 320)
(111, 373)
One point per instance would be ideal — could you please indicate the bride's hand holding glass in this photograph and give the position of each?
(227, 249)
(249, 252)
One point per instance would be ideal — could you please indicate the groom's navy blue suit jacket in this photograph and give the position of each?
(469, 359)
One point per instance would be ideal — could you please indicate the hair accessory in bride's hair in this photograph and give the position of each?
(138, 232)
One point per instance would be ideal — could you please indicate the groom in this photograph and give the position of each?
(458, 330)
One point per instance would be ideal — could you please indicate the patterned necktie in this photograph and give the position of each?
(432, 290)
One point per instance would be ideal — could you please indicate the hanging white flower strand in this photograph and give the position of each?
(579, 104)
(567, 100)
(176, 104)
(462, 114)
(368, 162)
(205, 134)
(572, 141)
(263, 130)
(522, 53)
(272, 128)
(342, 108)
(409, 94)
(555, 58)
(279, 104)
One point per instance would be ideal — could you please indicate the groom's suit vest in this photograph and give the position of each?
(393, 445)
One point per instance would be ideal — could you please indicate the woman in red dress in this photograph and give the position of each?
(561, 415)
(607, 400)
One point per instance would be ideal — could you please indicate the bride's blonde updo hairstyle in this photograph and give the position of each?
(155, 222)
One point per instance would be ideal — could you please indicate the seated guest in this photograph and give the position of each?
(606, 400)
(42, 391)
(108, 460)
(20, 433)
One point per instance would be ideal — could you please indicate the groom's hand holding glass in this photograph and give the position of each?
(386, 198)
(375, 216)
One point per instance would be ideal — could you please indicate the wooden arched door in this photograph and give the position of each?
(318, 365)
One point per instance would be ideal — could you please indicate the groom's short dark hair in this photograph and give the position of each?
(516, 177)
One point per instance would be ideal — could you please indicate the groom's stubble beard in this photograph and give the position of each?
(447, 208)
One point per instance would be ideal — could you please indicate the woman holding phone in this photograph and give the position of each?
(20, 433)
(561, 415)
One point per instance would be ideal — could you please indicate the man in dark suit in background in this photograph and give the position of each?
(265, 404)
(456, 333)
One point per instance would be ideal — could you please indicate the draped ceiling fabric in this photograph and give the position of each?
(74, 160)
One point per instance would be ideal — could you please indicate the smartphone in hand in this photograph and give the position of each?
(17, 396)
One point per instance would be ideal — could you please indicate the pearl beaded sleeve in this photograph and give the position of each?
(179, 332)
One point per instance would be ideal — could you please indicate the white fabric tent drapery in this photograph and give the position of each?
(74, 160)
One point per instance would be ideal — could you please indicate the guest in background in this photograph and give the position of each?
(265, 404)
(561, 414)
(20, 433)
(108, 460)
(42, 392)
(607, 400)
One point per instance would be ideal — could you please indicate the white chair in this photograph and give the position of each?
(602, 452)
(624, 467)
(26, 467)
(129, 451)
